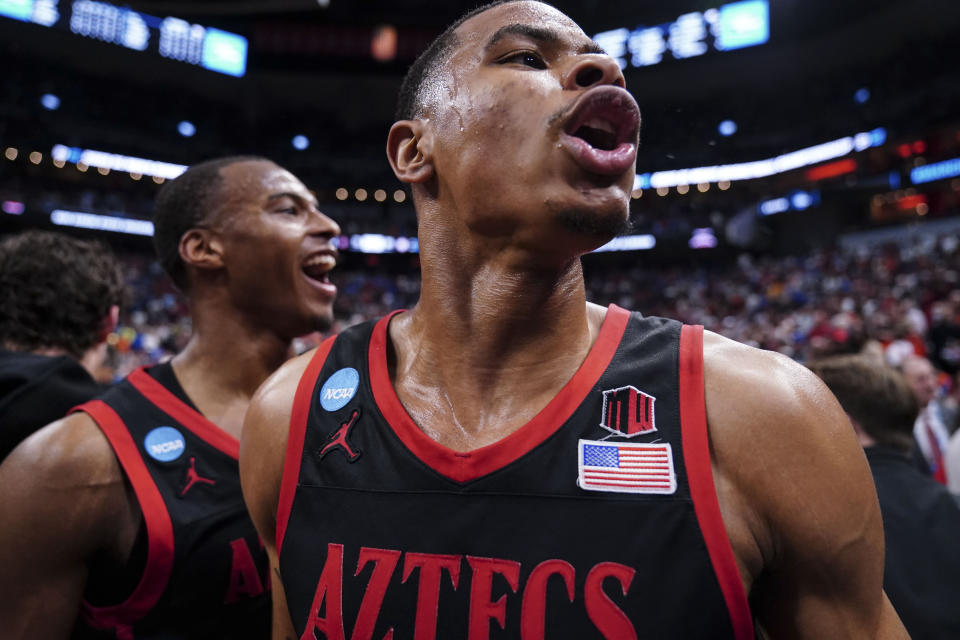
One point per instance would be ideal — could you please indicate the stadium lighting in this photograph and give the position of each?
(13, 207)
(342, 194)
(629, 243)
(727, 128)
(35, 157)
(98, 222)
(300, 142)
(703, 238)
(186, 129)
(91, 158)
(862, 95)
(764, 168)
(399, 195)
(11, 153)
(379, 195)
(936, 171)
(360, 194)
(50, 102)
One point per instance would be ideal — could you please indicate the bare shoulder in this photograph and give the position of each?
(796, 495)
(753, 393)
(777, 432)
(67, 458)
(263, 443)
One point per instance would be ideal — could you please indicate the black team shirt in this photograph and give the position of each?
(597, 519)
(36, 390)
(198, 570)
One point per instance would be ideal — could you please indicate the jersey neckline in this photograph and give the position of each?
(466, 466)
(193, 420)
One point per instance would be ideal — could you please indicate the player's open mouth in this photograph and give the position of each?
(601, 132)
(317, 266)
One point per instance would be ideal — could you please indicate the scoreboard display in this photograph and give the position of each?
(169, 37)
(731, 26)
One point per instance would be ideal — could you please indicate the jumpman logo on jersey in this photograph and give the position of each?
(194, 478)
(339, 439)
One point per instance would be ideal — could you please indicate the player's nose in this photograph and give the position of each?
(591, 70)
(322, 225)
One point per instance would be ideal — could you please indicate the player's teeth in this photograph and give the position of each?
(597, 123)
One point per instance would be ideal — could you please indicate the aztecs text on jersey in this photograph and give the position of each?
(205, 574)
(596, 519)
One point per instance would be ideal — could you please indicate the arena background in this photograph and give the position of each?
(823, 219)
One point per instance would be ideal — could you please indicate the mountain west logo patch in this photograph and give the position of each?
(628, 412)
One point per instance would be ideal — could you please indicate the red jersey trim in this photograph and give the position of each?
(184, 414)
(296, 436)
(160, 542)
(464, 466)
(696, 457)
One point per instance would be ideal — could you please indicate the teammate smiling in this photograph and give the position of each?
(129, 512)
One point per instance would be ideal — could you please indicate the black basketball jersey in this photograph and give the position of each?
(206, 574)
(596, 519)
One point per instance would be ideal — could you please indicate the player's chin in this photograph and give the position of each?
(321, 319)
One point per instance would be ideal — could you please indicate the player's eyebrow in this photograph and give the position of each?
(539, 34)
(293, 196)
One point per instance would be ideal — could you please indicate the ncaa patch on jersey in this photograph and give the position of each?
(164, 444)
(626, 467)
(339, 389)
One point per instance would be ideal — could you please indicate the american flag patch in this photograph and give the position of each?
(626, 467)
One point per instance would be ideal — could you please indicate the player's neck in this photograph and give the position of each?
(518, 336)
(225, 361)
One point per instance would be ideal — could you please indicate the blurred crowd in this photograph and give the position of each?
(894, 300)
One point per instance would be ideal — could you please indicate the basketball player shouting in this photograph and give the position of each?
(129, 511)
(506, 460)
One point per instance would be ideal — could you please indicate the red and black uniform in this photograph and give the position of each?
(597, 519)
(198, 569)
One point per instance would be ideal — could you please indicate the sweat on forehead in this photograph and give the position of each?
(425, 71)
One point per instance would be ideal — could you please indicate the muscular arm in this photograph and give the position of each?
(62, 499)
(262, 452)
(797, 498)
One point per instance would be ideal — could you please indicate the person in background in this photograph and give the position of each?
(929, 430)
(59, 300)
(921, 519)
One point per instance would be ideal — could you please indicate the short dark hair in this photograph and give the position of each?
(873, 394)
(183, 204)
(428, 63)
(55, 291)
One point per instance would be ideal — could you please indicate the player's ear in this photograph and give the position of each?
(410, 151)
(202, 249)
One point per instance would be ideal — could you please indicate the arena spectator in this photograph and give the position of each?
(921, 519)
(59, 300)
(929, 429)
